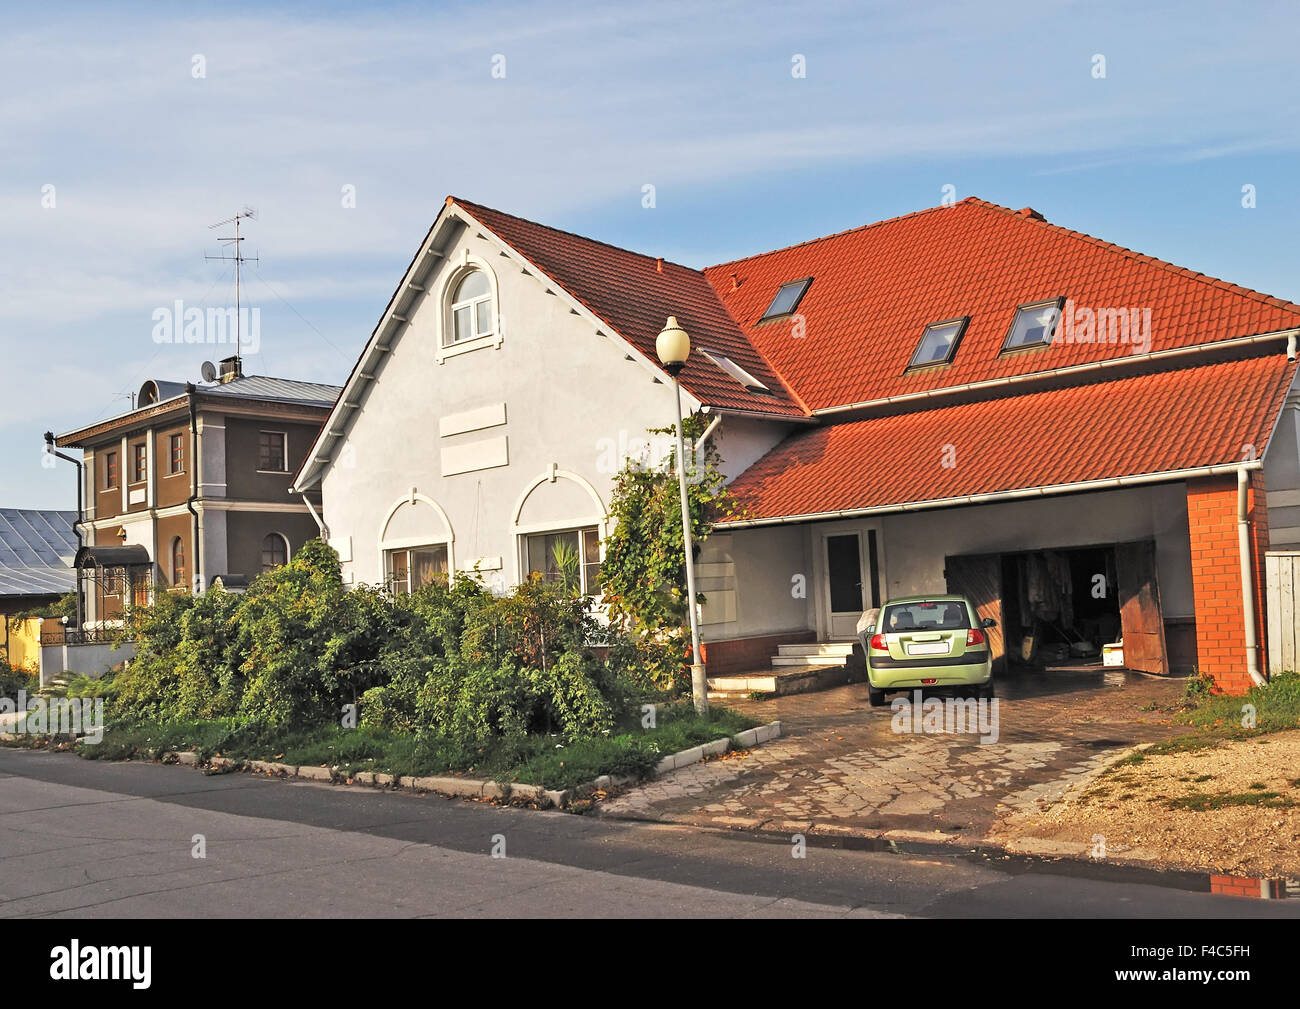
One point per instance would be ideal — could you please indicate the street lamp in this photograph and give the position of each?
(673, 347)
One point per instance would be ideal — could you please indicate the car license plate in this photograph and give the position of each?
(938, 648)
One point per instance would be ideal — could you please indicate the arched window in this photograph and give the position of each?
(275, 551)
(178, 562)
(471, 309)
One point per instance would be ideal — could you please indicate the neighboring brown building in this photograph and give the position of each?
(193, 485)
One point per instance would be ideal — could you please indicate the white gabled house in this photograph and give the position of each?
(964, 399)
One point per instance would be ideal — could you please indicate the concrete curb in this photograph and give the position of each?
(476, 788)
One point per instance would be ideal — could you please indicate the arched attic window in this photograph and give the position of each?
(471, 309)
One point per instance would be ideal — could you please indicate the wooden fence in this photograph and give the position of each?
(1282, 588)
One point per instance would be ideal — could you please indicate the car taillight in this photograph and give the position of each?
(974, 637)
(878, 643)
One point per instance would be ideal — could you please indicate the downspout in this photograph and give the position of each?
(320, 523)
(1247, 579)
(713, 426)
(194, 478)
(76, 526)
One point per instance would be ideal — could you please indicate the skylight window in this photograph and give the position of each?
(938, 343)
(787, 299)
(1034, 325)
(736, 372)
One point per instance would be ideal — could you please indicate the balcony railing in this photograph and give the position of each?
(73, 636)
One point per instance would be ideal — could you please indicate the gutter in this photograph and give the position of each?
(190, 391)
(1247, 579)
(1075, 369)
(1168, 476)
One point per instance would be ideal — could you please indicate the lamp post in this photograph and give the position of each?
(673, 347)
(76, 528)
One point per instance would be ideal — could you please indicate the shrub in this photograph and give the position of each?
(474, 669)
(13, 680)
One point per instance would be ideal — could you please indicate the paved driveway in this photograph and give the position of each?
(842, 768)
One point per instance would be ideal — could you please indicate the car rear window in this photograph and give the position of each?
(939, 615)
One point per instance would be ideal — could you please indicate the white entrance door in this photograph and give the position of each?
(844, 578)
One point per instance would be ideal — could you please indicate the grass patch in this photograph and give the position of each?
(545, 760)
(1277, 707)
(1199, 802)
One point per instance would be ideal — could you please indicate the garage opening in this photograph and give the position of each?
(1060, 607)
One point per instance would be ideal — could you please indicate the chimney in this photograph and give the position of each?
(231, 368)
(735, 282)
(659, 264)
(1031, 213)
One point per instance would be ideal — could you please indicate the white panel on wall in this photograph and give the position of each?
(720, 607)
(492, 415)
(342, 544)
(476, 455)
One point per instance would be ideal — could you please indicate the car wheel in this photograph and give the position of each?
(986, 691)
(875, 697)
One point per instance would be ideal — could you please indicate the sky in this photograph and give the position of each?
(127, 131)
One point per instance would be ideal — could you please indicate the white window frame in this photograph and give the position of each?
(447, 346)
(583, 561)
(405, 547)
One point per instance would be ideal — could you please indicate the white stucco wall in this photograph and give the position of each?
(572, 404)
(749, 580)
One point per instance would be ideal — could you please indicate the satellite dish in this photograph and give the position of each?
(209, 371)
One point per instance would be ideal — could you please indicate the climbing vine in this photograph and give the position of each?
(643, 574)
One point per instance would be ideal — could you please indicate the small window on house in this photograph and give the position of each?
(176, 452)
(110, 470)
(139, 463)
(736, 372)
(787, 299)
(275, 551)
(571, 557)
(412, 568)
(471, 308)
(270, 452)
(178, 562)
(938, 343)
(1034, 325)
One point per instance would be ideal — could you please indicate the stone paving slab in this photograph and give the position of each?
(840, 768)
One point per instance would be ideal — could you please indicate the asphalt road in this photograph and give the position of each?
(88, 839)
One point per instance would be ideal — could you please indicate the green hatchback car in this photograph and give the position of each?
(926, 641)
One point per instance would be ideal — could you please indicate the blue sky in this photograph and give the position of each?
(399, 101)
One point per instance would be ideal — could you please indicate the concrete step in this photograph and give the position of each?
(786, 680)
(818, 648)
(780, 661)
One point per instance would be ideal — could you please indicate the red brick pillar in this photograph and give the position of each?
(1216, 577)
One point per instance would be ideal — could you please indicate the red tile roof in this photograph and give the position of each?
(1200, 415)
(635, 294)
(876, 288)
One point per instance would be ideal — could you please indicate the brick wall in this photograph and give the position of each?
(1216, 576)
(746, 655)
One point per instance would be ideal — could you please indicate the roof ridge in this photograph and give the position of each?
(840, 234)
(572, 234)
(1163, 264)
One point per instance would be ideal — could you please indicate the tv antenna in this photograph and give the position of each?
(238, 258)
